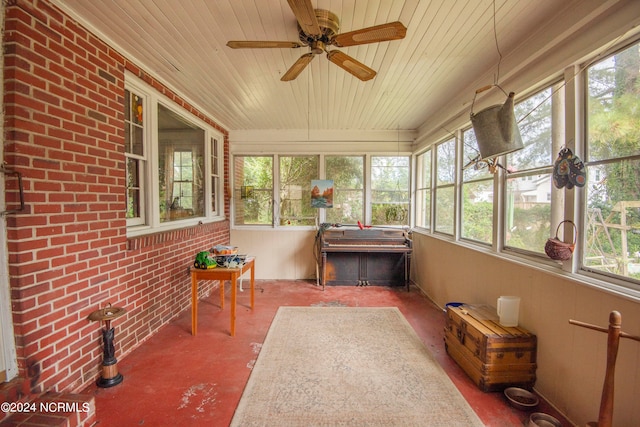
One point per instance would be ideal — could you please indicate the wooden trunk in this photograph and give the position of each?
(494, 356)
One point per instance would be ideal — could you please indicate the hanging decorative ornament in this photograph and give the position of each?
(568, 170)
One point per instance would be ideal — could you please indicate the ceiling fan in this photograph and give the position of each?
(318, 29)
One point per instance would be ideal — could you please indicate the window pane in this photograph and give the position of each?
(215, 179)
(614, 116)
(253, 192)
(534, 117)
(133, 188)
(612, 234)
(134, 152)
(390, 190)
(446, 162)
(528, 212)
(470, 154)
(133, 123)
(533, 206)
(477, 193)
(445, 190)
(423, 190)
(612, 240)
(477, 211)
(296, 174)
(347, 173)
(180, 167)
(445, 202)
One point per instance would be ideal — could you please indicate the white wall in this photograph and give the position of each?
(280, 254)
(571, 359)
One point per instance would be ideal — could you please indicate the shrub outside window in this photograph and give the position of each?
(477, 193)
(390, 190)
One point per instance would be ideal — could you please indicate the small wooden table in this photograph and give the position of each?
(221, 274)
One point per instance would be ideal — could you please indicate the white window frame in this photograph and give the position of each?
(321, 156)
(150, 178)
(455, 140)
(143, 159)
(420, 191)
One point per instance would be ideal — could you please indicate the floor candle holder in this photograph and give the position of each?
(110, 375)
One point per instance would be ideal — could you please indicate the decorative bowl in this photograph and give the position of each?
(452, 304)
(521, 399)
(539, 419)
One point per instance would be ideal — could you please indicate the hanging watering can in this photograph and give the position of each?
(496, 129)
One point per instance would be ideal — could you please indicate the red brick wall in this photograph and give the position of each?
(68, 250)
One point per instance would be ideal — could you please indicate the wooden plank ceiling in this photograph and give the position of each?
(449, 44)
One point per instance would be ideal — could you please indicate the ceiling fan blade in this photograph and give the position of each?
(297, 68)
(235, 44)
(351, 65)
(378, 33)
(306, 16)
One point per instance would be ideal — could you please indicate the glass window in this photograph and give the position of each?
(134, 135)
(445, 186)
(176, 188)
(180, 167)
(477, 193)
(533, 206)
(216, 179)
(612, 218)
(423, 190)
(253, 192)
(347, 173)
(296, 173)
(390, 190)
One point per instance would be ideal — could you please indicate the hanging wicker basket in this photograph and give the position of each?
(558, 250)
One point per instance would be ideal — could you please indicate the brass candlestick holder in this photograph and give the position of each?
(110, 375)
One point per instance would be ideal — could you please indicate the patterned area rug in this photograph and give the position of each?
(346, 366)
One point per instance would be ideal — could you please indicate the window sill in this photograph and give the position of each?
(167, 232)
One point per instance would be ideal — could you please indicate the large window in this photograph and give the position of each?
(216, 178)
(159, 133)
(347, 173)
(296, 174)
(277, 190)
(477, 193)
(445, 186)
(533, 206)
(253, 192)
(390, 190)
(423, 190)
(180, 167)
(612, 217)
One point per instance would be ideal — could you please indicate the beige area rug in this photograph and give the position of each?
(346, 366)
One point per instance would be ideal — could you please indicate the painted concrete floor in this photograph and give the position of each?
(176, 379)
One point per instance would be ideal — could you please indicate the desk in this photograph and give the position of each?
(221, 274)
